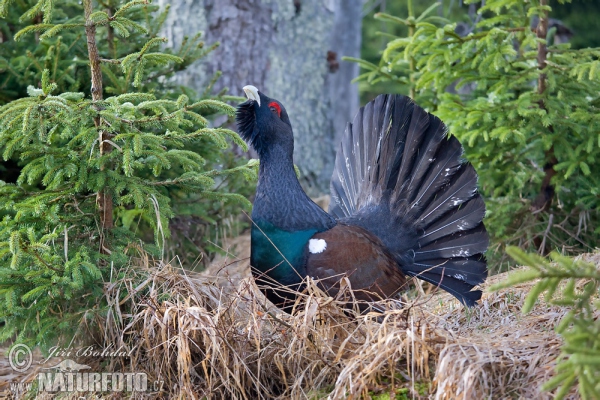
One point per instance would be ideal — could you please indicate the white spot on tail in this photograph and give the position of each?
(317, 246)
(462, 253)
(460, 277)
(462, 225)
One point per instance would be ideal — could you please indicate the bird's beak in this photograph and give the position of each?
(252, 93)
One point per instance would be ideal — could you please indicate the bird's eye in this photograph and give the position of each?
(275, 108)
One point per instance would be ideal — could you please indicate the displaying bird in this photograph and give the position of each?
(403, 203)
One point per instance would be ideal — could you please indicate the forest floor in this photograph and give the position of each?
(489, 351)
(210, 335)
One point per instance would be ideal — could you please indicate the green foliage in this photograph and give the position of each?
(522, 120)
(574, 284)
(147, 146)
(383, 23)
(485, 86)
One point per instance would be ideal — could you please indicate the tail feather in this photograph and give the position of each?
(419, 123)
(461, 188)
(394, 143)
(341, 203)
(437, 175)
(368, 143)
(461, 290)
(398, 175)
(463, 218)
(344, 184)
(457, 244)
(469, 270)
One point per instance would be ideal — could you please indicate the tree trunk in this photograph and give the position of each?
(291, 51)
(103, 199)
(544, 199)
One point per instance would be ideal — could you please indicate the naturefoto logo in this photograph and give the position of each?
(70, 376)
(67, 376)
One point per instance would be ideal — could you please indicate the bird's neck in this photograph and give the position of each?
(277, 171)
(284, 219)
(280, 200)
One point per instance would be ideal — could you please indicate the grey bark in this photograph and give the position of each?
(290, 50)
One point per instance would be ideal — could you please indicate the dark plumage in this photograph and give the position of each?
(403, 202)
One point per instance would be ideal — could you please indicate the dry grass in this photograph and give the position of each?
(203, 340)
(495, 351)
(215, 336)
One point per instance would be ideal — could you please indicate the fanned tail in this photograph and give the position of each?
(398, 175)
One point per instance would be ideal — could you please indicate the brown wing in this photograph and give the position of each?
(358, 254)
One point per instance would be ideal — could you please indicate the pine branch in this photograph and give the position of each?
(411, 59)
(111, 34)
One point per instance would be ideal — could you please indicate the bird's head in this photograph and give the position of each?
(263, 123)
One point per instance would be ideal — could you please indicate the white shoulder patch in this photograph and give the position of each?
(316, 246)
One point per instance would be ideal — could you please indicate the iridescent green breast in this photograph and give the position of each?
(279, 253)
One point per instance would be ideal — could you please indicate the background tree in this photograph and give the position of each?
(108, 153)
(529, 118)
(291, 50)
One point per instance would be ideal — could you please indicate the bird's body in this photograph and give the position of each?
(403, 204)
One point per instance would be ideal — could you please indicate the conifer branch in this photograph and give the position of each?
(110, 61)
(111, 34)
(411, 59)
(40, 259)
(480, 35)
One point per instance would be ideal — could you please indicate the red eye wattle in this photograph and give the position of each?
(276, 108)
